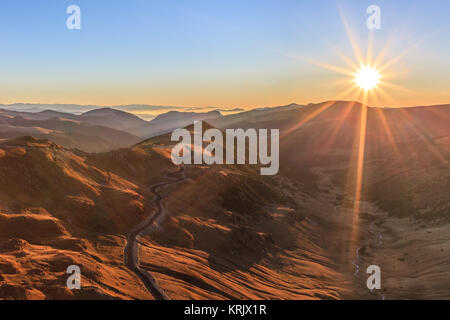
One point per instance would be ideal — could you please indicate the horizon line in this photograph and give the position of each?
(246, 108)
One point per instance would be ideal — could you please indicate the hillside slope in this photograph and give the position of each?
(225, 232)
(231, 227)
(66, 132)
(57, 211)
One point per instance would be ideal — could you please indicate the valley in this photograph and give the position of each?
(141, 227)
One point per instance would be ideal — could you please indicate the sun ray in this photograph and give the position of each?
(360, 160)
(351, 38)
(394, 74)
(390, 136)
(385, 95)
(396, 86)
(336, 83)
(383, 52)
(367, 77)
(409, 121)
(369, 49)
(330, 67)
(340, 123)
(439, 113)
(317, 112)
(346, 59)
(397, 58)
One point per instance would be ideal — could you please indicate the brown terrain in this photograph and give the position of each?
(226, 232)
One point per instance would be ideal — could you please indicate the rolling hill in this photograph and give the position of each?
(65, 207)
(224, 231)
(98, 130)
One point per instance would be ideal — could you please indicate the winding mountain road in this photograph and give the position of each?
(131, 251)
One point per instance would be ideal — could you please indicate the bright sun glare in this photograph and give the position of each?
(367, 78)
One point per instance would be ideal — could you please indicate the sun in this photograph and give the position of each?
(367, 78)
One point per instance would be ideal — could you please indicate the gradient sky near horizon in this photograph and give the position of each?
(215, 53)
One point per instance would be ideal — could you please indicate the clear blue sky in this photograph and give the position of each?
(206, 52)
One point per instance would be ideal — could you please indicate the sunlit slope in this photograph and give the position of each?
(242, 235)
(55, 211)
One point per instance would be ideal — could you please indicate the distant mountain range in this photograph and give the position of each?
(146, 112)
(105, 129)
(97, 130)
(138, 109)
